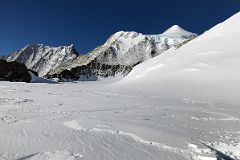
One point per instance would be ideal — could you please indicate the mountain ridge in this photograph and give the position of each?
(42, 58)
(121, 49)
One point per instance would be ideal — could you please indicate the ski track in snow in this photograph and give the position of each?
(87, 121)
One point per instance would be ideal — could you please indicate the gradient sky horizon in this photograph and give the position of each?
(87, 24)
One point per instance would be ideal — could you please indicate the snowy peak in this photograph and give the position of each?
(126, 37)
(175, 36)
(44, 47)
(126, 49)
(177, 32)
(123, 48)
(43, 59)
(174, 29)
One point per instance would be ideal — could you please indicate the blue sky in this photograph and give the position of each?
(88, 23)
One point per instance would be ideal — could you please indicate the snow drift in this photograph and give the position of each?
(206, 68)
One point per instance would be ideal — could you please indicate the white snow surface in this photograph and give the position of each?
(204, 69)
(88, 120)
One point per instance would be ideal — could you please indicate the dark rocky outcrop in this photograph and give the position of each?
(14, 72)
(91, 71)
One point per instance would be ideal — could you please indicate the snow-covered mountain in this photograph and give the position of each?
(117, 55)
(173, 37)
(124, 50)
(43, 59)
(205, 68)
(129, 48)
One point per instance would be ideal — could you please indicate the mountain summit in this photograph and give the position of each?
(177, 32)
(43, 59)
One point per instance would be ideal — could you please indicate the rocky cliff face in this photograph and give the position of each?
(43, 59)
(91, 72)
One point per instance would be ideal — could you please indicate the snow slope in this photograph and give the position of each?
(204, 69)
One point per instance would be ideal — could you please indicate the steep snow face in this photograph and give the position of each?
(205, 68)
(42, 58)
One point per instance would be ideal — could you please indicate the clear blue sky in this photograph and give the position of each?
(88, 23)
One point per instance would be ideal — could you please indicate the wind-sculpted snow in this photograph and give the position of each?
(91, 121)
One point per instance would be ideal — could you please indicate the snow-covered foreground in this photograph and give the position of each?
(90, 121)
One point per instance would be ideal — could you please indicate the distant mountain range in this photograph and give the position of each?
(117, 56)
(43, 59)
